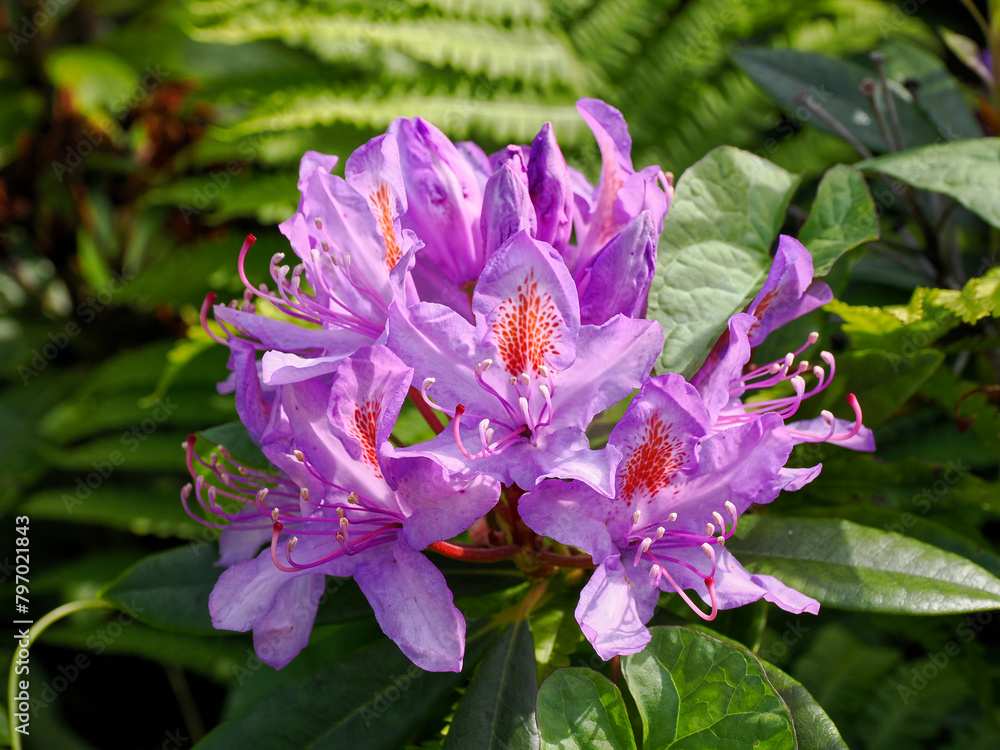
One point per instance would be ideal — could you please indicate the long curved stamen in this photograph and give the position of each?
(853, 401)
(456, 424)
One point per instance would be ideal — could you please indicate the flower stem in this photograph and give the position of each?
(36, 630)
(564, 561)
(426, 411)
(473, 553)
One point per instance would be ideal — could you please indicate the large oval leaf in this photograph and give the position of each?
(374, 699)
(498, 709)
(813, 728)
(842, 216)
(968, 171)
(580, 709)
(857, 567)
(170, 589)
(713, 253)
(695, 692)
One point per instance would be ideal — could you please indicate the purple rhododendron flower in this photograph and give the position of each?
(523, 383)
(663, 528)
(341, 508)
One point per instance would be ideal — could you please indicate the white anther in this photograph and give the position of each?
(654, 572)
(489, 435)
(184, 445)
(798, 384)
(319, 224)
(291, 543)
(774, 369)
(644, 546)
(543, 371)
(347, 260)
(186, 491)
(340, 512)
(274, 515)
(261, 494)
(718, 519)
(827, 416)
(708, 550)
(213, 458)
(827, 357)
(544, 389)
(353, 499)
(299, 456)
(326, 247)
(304, 493)
(818, 372)
(731, 508)
(709, 529)
(813, 337)
(660, 531)
(513, 380)
(635, 518)
(721, 539)
(672, 517)
(524, 378)
(211, 495)
(428, 382)
(789, 359)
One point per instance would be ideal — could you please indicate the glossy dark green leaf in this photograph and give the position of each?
(844, 565)
(968, 171)
(497, 711)
(813, 728)
(375, 698)
(580, 709)
(939, 94)
(785, 74)
(170, 589)
(235, 438)
(842, 217)
(694, 691)
(713, 254)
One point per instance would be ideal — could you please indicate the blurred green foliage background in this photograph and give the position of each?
(140, 142)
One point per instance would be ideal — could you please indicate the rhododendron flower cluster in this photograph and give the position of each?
(504, 295)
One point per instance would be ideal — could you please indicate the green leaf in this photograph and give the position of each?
(813, 728)
(373, 699)
(169, 590)
(580, 709)
(939, 96)
(967, 51)
(856, 567)
(785, 74)
(842, 217)
(556, 633)
(694, 691)
(99, 83)
(713, 253)
(498, 709)
(968, 171)
(233, 436)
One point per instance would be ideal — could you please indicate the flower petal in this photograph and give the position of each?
(415, 608)
(507, 208)
(618, 279)
(283, 632)
(439, 505)
(614, 608)
(551, 190)
(572, 513)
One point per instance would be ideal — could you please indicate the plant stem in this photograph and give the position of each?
(36, 630)
(425, 411)
(472, 553)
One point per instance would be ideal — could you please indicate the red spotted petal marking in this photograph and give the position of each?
(385, 213)
(760, 310)
(364, 430)
(653, 462)
(526, 328)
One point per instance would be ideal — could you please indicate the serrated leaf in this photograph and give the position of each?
(169, 590)
(497, 711)
(580, 709)
(375, 699)
(713, 253)
(968, 171)
(842, 217)
(856, 567)
(787, 74)
(694, 691)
